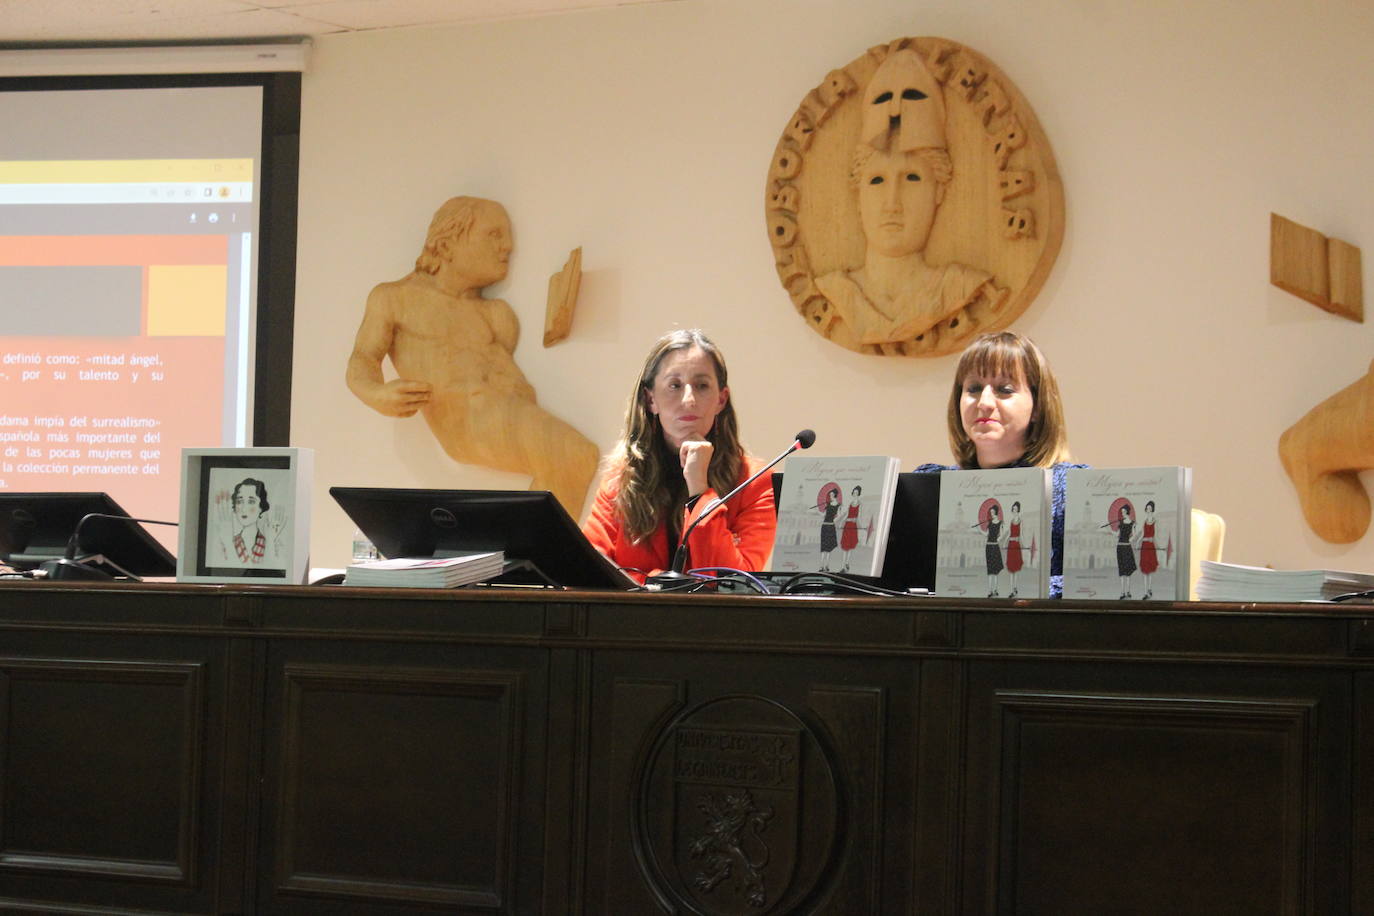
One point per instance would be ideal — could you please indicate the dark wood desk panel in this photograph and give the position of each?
(1154, 788)
(207, 749)
(406, 774)
(120, 784)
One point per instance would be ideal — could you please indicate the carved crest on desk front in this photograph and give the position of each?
(913, 201)
(737, 807)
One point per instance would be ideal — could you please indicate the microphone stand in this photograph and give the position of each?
(69, 567)
(676, 576)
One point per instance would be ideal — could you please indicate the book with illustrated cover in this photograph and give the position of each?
(994, 534)
(834, 514)
(1127, 532)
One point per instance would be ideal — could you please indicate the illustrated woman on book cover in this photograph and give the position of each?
(1149, 558)
(830, 509)
(849, 535)
(1015, 561)
(249, 528)
(992, 552)
(1125, 548)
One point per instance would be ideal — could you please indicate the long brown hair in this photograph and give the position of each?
(1013, 355)
(652, 490)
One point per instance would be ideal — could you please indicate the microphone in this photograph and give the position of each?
(68, 567)
(804, 439)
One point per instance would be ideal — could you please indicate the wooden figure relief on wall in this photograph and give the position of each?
(453, 351)
(1324, 454)
(913, 201)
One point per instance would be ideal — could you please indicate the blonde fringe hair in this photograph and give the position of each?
(1005, 353)
(652, 490)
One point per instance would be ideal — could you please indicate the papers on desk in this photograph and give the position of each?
(427, 572)
(1233, 582)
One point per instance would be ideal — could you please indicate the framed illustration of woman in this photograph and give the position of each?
(245, 514)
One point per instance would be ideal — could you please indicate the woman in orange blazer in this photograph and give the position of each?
(679, 451)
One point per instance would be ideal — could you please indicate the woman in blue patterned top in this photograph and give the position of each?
(1005, 412)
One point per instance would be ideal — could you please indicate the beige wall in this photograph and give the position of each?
(644, 134)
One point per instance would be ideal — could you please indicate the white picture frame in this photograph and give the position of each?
(245, 515)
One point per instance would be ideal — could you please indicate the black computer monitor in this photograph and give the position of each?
(913, 535)
(527, 525)
(37, 527)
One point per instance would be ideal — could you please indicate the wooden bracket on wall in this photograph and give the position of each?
(563, 289)
(1324, 271)
(1325, 452)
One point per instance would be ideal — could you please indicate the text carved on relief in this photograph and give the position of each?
(886, 201)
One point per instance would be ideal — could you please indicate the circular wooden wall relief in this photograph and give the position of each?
(913, 201)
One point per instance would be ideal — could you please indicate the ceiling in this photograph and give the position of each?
(56, 22)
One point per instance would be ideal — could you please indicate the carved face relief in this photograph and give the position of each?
(903, 102)
(483, 252)
(898, 197)
(904, 267)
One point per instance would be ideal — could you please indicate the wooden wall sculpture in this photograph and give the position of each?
(913, 201)
(1324, 271)
(563, 289)
(453, 352)
(1325, 452)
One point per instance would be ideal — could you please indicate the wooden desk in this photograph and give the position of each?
(206, 749)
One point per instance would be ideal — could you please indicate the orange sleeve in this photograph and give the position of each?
(739, 535)
(602, 526)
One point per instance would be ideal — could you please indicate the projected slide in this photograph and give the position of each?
(128, 244)
(126, 293)
(112, 361)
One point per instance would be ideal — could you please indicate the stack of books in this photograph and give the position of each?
(1232, 582)
(427, 572)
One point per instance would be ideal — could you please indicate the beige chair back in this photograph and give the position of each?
(1209, 531)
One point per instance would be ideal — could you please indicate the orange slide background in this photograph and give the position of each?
(186, 402)
(170, 377)
(108, 250)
